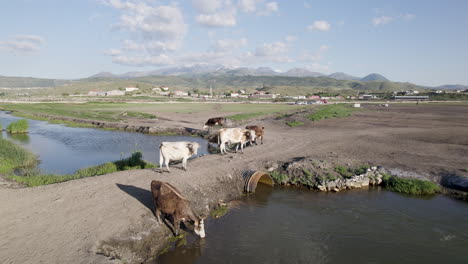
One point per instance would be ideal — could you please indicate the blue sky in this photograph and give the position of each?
(419, 41)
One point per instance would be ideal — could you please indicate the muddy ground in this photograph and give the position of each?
(69, 222)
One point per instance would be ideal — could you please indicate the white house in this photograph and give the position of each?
(180, 93)
(115, 93)
(129, 89)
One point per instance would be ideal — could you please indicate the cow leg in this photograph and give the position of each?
(262, 140)
(166, 162)
(184, 163)
(157, 212)
(242, 148)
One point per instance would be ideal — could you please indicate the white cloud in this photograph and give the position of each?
(153, 32)
(22, 43)
(207, 6)
(229, 44)
(271, 7)
(319, 25)
(384, 19)
(113, 52)
(227, 19)
(248, 6)
(407, 16)
(381, 20)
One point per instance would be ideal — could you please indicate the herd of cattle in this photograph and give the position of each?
(167, 199)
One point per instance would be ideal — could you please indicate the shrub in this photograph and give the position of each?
(410, 186)
(20, 126)
(361, 170)
(343, 171)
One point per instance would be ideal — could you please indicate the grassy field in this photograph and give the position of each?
(123, 111)
(20, 126)
(410, 186)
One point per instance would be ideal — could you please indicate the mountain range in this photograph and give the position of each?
(220, 70)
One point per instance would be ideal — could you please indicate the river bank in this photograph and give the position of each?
(82, 217)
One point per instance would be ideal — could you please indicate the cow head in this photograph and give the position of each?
(251, 135)
(193, 148)
(200, 228)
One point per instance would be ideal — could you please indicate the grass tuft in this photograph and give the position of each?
(13, 156)
(20, 126)
(219, 212)
(279, 178)
(410, 186)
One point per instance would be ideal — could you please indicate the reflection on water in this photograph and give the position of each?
(288, 225)
(63, 150)
(22, 137)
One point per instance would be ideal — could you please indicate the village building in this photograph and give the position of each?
(130, 89)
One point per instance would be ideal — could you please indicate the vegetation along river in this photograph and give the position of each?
(289, 225)
(63, 149)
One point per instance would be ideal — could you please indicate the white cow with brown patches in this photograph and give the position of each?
(234, 136)
(181, 150)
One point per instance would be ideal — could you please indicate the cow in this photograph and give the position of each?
(168, 200)
(259, 132)
(215, 121)
(181, 150)
(234, 136)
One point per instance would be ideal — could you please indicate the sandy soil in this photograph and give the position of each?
(65, 223)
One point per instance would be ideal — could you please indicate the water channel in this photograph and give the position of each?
(289, 225)
(63, 150)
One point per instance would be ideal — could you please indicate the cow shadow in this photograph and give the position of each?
(142, 195)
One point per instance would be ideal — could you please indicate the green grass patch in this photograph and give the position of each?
(294, 123)
(138, 115)
(34, 178)
(20, 126)
(219, 212)
(279, 178)
(343, 171)
(13, 156)
(410, 186)
(331, 111)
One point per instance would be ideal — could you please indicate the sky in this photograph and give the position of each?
(420, 41)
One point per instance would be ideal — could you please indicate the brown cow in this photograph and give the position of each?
(215, 121)
(168, 200)
(259, 132)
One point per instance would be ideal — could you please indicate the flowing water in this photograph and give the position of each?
(64, 150)
(287, 225)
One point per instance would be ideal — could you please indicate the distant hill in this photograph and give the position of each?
(103, 75)
(301, 72)
(343, 76)
(451, 87)
(28, 82)
(374, 77)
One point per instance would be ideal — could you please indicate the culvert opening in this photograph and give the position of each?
(253, 178)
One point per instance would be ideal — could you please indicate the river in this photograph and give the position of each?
(289, 225)
(63, 150)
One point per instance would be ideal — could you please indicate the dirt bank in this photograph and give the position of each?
(67, 222)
